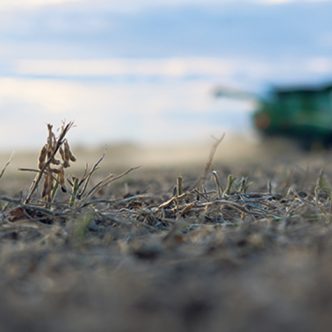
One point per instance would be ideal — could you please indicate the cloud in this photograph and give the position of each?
(320, 65)
(90, 29)
(119, 6)
(286, 2)
(139, 5)
(236, 70)
(276, 2)
(166, 67)
(93, 31)
(24, 4)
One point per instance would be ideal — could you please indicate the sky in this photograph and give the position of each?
(144, 71)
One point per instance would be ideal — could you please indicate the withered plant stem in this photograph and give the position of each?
(229, 185)
(5, 167)
(217, 182)
(179, 186)
(208, 165)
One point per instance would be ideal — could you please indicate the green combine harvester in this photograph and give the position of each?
(301, 113)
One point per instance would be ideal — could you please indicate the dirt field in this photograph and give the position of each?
(150, 254)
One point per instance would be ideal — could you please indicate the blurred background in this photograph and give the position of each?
(144, 71)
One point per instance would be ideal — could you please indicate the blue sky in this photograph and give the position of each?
(144, 70)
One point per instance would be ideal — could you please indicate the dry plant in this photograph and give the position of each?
(55, 156)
